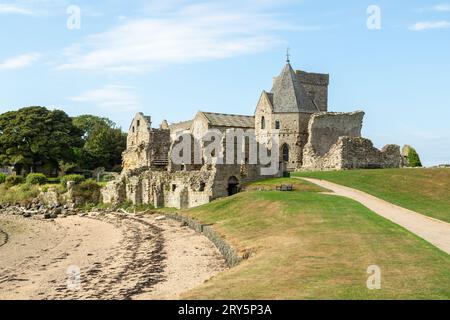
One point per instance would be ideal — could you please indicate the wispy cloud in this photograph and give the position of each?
(111, 97)
(14, 9)
(186, 34)
(427, 25)
(20, 61)
(445, 7)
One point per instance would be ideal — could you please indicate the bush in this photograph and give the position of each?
(36, 178)
(2, 178)
(89, 191)
(23, 194)
(77, 178)
(53, 181)
(14, 180)
(414, 159)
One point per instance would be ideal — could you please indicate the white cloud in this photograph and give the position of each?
(421, 26)
(20, 61)
(442, 7)
(191, 33)
(111, 97)
(13, 9)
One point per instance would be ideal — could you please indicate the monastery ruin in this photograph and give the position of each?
(294, 111)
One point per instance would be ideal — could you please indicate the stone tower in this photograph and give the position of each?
(287, 108)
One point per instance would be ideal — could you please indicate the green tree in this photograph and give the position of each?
(37, 137)
(414, 159)
(103, 145)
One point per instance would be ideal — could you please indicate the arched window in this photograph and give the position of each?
(277, 124)
(263, 123)
(285, 151)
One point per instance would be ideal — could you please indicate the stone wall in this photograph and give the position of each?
(354, 153)
(335, 143)
(326, 128)
(231, 256)
(316, 85)
(146, 147)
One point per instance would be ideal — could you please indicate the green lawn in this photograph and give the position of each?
(426, 191)
(309, 245)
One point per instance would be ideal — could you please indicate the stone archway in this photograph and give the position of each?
(233, 186)
(285, 153)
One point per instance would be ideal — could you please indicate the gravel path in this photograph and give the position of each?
(102, 256)
(434, 231)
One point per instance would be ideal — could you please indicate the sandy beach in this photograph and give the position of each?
(102, 256)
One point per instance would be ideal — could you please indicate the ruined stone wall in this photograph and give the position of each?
(354, 153)
(181, 189)
(139, 131)
(136, 157)
(326, 128)
(151, 152)
(335, 143)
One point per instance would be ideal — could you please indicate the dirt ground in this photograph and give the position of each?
(102, 256)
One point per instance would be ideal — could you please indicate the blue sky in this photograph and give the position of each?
(171, 58)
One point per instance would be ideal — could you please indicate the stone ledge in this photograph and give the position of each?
(232, 258)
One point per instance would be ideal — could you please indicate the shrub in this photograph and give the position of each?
(36, 178)
(414, 159)
(77, 178)
(89, 191)
(53, 180)
(14, 180)
(23, 194)
(2, 178)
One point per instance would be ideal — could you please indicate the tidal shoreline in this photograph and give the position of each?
(116, 256)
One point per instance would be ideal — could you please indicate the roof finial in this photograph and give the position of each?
(288, 55)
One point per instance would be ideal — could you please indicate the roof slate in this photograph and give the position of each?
(289, 95)
(229, 120)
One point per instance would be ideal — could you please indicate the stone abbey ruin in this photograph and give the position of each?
(294, 114)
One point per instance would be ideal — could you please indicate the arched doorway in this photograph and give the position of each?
(285, 152)
(233, 186)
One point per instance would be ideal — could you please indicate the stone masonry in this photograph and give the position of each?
(295, 111)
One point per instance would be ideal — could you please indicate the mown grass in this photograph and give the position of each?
(309, 245)
(426, 191)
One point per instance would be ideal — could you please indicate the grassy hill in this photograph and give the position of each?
(426, 191)
(308, 245)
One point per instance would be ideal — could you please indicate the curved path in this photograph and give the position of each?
(435, 231)
(102, 256)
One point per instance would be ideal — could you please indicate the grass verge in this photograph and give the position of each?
(309, 245)
(426, 191)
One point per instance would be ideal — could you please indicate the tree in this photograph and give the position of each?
(35, 137)
(414, 159)
(103, 142)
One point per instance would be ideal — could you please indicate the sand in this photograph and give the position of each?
(100, 256)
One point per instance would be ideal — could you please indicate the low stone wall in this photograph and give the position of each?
(231, 256)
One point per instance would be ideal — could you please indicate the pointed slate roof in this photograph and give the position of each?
(289, 95)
